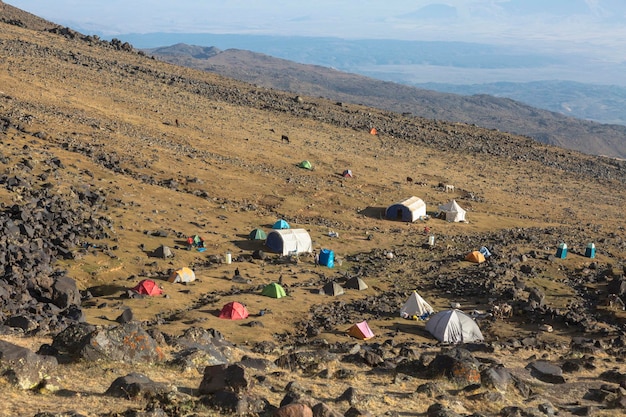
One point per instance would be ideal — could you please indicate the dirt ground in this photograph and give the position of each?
(233, 174)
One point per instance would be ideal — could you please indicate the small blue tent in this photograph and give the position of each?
(590, 251)
(280, 224)
(561, 251)
(327, 258)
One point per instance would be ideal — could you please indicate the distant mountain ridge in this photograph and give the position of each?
(483, 110)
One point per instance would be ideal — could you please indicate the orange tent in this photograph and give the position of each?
(148, 287)
(234, 311)
(475, 257)
(373, 131)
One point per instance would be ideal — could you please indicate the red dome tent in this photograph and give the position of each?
(234, 311)
(148, 287)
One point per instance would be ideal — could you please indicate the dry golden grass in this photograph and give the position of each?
(233, 153)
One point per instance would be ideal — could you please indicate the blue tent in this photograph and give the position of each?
(484, 251)
(280, 224)
(327, 258)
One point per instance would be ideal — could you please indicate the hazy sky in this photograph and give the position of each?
(599, 22)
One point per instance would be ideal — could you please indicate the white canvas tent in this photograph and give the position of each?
(454, 326)
(416, 306)
(289, 241)
(453, 212)
(408, 210)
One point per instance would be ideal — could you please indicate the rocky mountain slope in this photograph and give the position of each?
(483, 110)
(108, 155)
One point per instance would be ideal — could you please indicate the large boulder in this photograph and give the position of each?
(546, 372)
(65, 292)
(217, 378)
(201, 348)
(26, 369)
(239, 404)
(127, 342)
(497, 377)
(136, 385)
(458, 365)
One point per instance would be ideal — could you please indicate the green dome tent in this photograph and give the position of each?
(257, 234)
(274, 290)
(305, 165)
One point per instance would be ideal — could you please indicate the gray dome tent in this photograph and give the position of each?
(453, 326)
(332, 288)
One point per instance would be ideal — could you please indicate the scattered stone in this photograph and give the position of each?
(293, 410)
(135, 385)
(546, 372)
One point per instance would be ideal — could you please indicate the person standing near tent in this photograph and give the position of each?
(189, 243)
(316, 258)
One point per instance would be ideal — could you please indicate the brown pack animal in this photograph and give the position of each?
(284, 138)
(503, 310)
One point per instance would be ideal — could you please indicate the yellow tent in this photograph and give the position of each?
(182, 275)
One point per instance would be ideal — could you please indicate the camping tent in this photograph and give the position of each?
(327, 258)
(234, 311)
(452, 212)
(484, 251)
(162, 252)
(347, 173)
(361, 331)
(183, 274)
(453, 326)
(332, 288)
(305, 165)
(475, 257)
(274, 290)
(287, 241)
(355, 283)
(280, 224)
(408, 210)
(147, 287)
(416, 306)
(257, 234)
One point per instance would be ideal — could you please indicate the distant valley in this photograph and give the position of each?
(484, 110)
(599, 103)
(575, 84)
